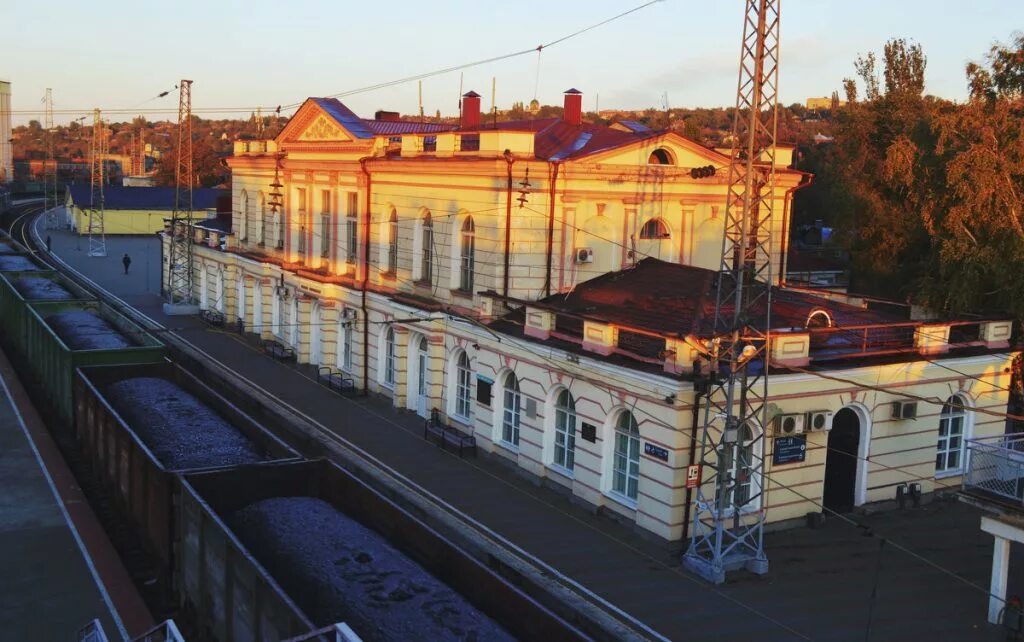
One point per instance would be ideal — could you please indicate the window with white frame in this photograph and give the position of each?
(262, 202)
(463, 378)
(279, 223)
(427, 251)
(300, 208)
(739, 483)
(565, 430)
(511, 411)
(325, 224)
(949, 453)
(392, 238)
(344, 356)
(351, 228)
(243, 217)
(626, 458)
(389, 356)
(467, 255)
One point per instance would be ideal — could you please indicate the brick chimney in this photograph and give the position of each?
(389, 116)
(470, 111)
(573, 110)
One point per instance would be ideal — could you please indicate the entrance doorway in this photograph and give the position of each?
(421, 378)
(841, 461)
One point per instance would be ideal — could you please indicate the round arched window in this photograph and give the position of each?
(660, 157)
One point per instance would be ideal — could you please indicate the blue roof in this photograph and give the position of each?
(116, 197)
(346, 117)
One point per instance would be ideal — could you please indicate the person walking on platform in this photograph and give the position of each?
(127, 261)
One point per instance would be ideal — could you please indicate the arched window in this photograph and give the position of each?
(511, 411)
(218, 291)
(293, 323)
(279, 225)
(655, 229)
(262, 202)
(739, 471)
(392, 231)
(427, 251)
(467, 255)
(660, 157)
(949, 455)
(243, 217)
(240, 298)
(389, 356)
(626, 462)
(819, 319)
(565, 430)
(344, 356)
(463, 377)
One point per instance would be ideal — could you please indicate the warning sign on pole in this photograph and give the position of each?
(693, 476)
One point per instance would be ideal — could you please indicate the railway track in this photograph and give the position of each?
(607, 621)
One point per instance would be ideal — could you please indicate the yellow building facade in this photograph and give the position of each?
(439, 267)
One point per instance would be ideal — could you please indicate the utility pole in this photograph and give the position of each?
(50, 198)
(97, 235)
(179, 268)
(728, 520)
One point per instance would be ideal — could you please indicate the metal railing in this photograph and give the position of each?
(995, 466)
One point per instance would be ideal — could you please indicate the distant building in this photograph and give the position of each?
(822, 103)
(6, 144)
(135, 210)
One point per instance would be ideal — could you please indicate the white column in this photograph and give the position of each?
(1000, 568)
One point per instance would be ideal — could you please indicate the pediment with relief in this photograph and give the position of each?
(322, 129)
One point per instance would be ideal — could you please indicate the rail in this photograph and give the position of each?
(995, 467)
(844, 342)
(166, 631)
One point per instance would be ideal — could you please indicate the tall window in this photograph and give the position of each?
(351, 228)
(325, 224)
(467, 255)
(389, 356)
(739, 471)
(392, 231)
(300, 207)
(344, 357)
(427, 253)
(243, 217)
(565, 430)
(263, 218)
(279, 221)
(462, 380)
(949, 454)
(626, 462)
(511, 412)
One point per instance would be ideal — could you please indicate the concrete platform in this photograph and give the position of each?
(820, 583)
(52, 579)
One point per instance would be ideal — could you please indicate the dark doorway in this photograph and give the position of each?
(841, 461)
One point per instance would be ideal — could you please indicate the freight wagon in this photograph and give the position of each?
(260, 548)
(20, 289)
(61, 336)
(140, 425)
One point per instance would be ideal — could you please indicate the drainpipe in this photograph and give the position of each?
(366, 277)
(508, 220)
(700, 388)
(551, 225)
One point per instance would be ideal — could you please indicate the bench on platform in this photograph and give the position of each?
(277, 350)
(335, 380)
(213, 317)
(444, 435)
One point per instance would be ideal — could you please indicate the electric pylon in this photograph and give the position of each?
(179, 268)
(728, 520)
(50, 197)
(98, 155)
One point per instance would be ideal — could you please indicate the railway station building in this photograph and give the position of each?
(548, 286)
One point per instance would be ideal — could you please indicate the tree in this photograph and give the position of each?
(865, 67)
(850, 89)
(904, 67)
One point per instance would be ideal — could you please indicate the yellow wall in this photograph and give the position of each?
(124, 221)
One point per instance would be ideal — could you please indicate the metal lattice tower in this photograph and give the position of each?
(97, 156)
(179, 269)
(728, 521)
(50, 198)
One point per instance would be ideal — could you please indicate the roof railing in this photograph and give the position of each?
(995, 468)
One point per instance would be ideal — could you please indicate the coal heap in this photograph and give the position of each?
(337, 570)
(86, 330)
(39, 288)
(17, 263)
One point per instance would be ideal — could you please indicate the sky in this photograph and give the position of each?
(120, 55)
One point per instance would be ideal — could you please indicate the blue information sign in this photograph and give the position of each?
(789, 450)
(656, 451)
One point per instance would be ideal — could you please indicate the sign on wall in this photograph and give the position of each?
(789, 450)
(589, 432)
(655, 451)
(693, 476)
(483, 389)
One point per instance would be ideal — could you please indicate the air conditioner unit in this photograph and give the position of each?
(584, 255)
(904, 410)
(790, 424)
(819, 420)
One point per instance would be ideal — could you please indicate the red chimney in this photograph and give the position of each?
(470, 111)
(573, 110)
